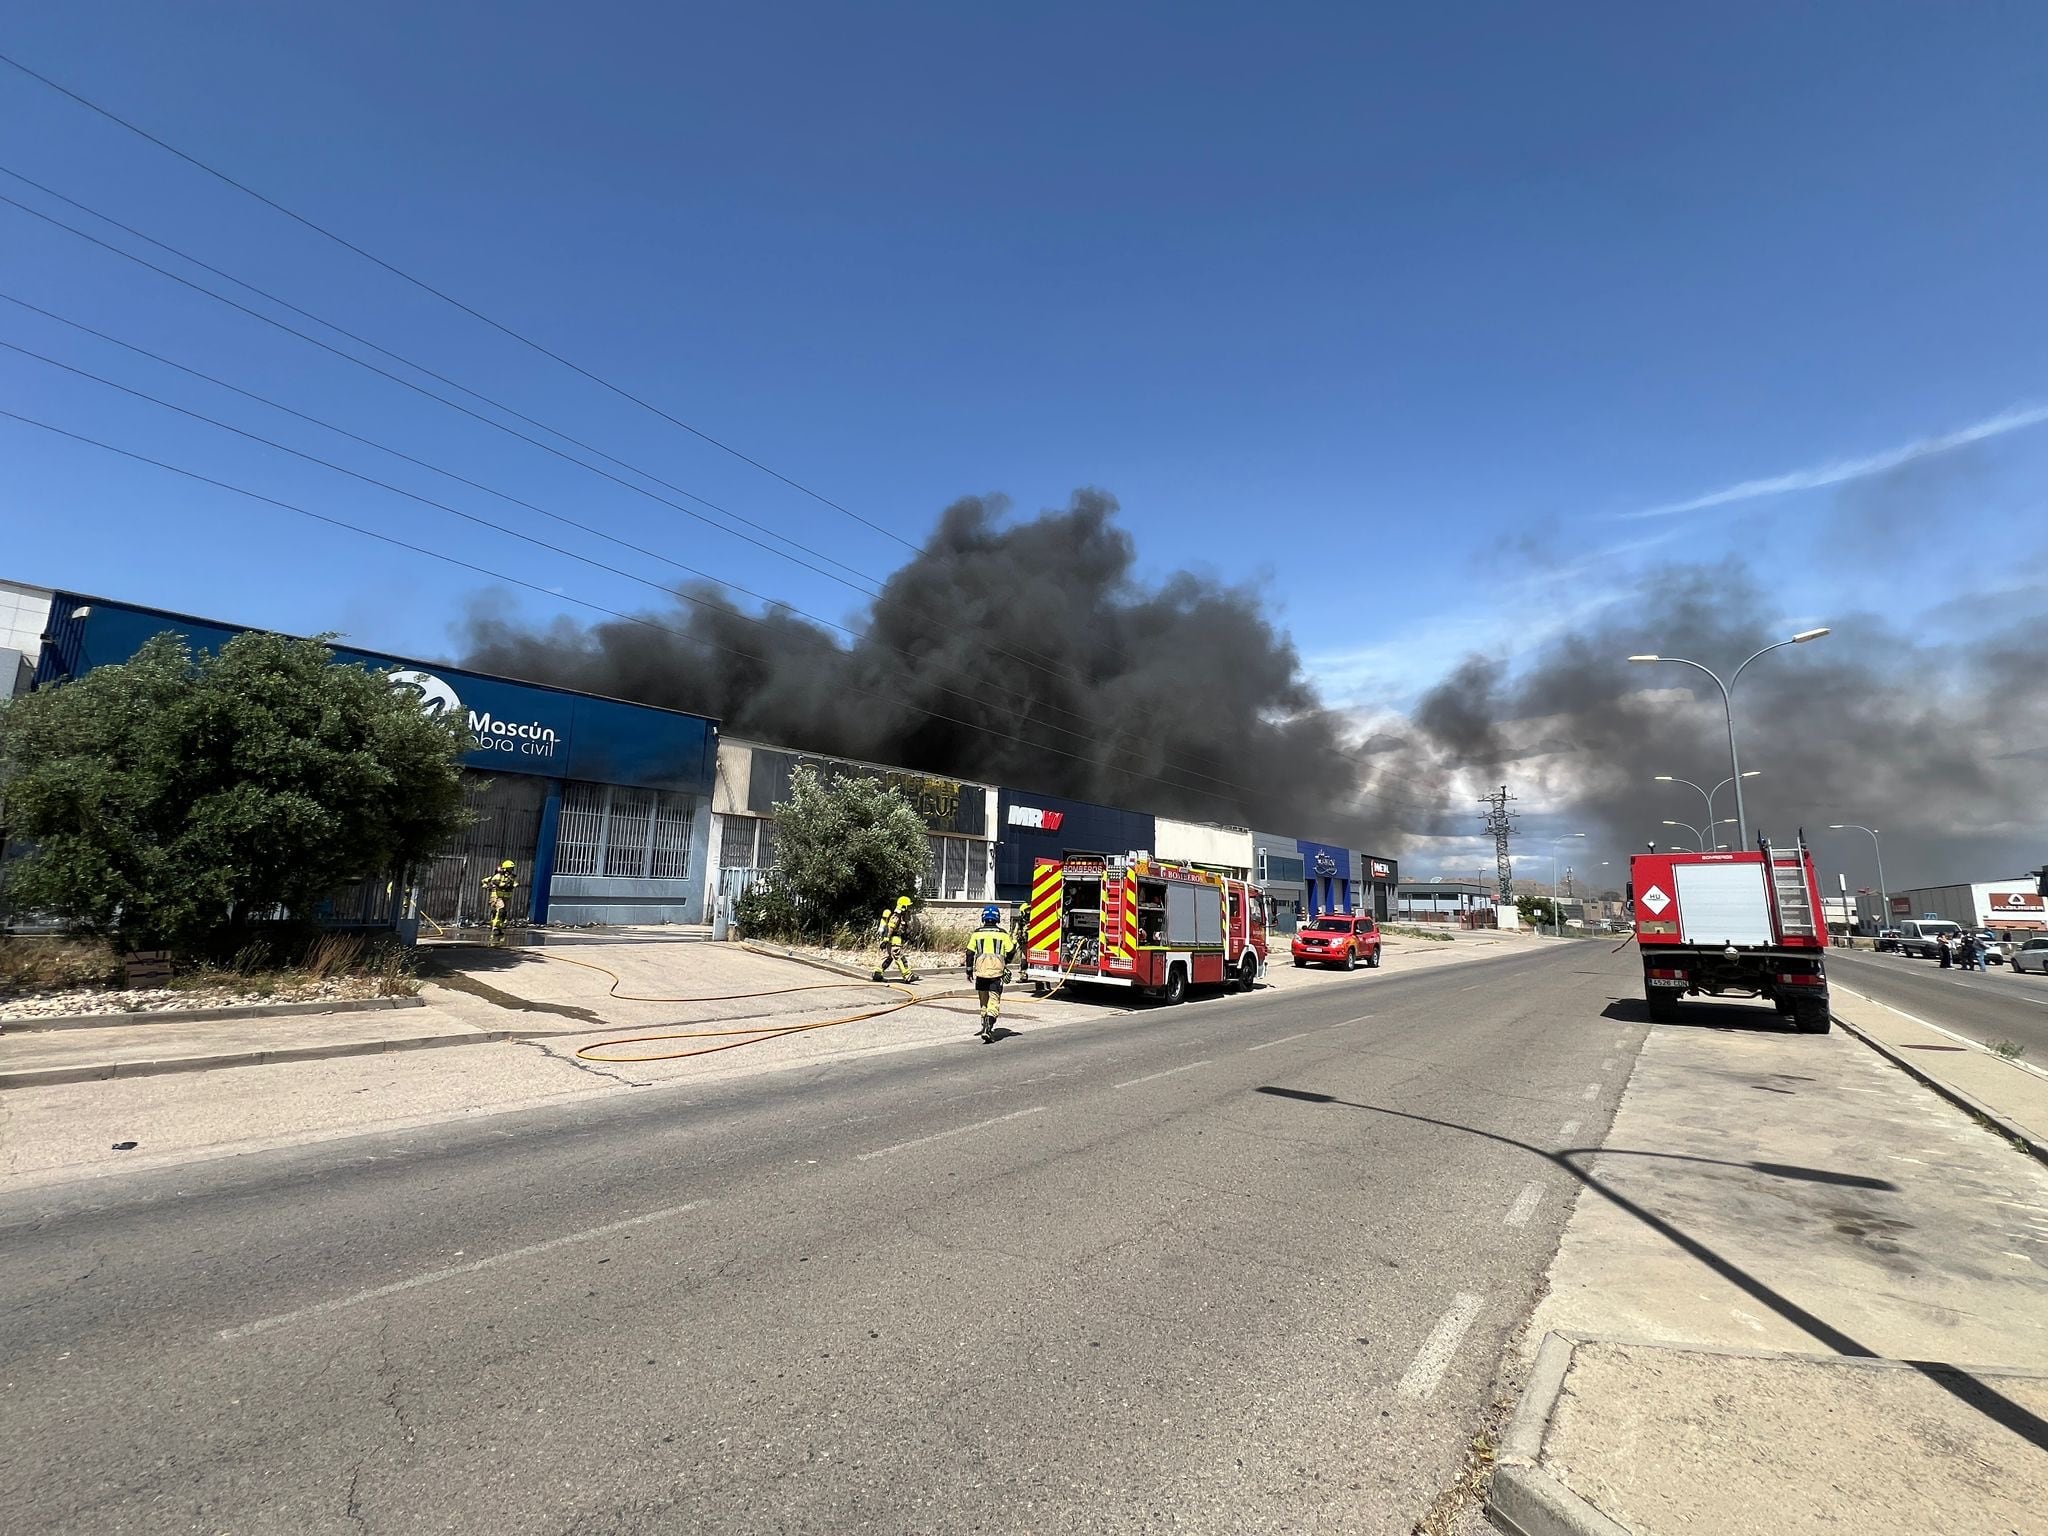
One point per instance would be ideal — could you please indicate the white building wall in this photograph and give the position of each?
(1198, 842)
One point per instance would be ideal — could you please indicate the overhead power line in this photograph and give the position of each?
(1137, 714)
(1024, 702)
(640, 620)
(447, 298)
(556, 549)
(1041, 661)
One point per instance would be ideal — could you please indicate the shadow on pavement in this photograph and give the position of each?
(1953, 1379)
(1694, 1014)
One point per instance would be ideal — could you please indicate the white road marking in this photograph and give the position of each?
(1359, 1020)
(1281, 1041)
(1621, 1044)
(1592, 1090)
(1155, 1076)
(958, 1130)
(1525, 1205)
(1434, 1358)
(1607, 1065)
(435, 1276)
(1569, 1128)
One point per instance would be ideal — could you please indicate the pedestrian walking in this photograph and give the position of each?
(1945, 951)
(990, 949)
(894, 920)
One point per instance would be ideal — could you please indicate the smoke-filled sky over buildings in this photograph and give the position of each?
(1432, 368)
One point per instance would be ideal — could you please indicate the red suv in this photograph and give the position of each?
(1338, 939)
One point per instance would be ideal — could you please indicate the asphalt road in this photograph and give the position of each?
(1103, 1279)
(1986, 1006)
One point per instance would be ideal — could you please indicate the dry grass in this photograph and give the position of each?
(379, 966)
(57, 965)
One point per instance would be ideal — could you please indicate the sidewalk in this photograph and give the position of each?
(1798, 1294)
(2013, 1096)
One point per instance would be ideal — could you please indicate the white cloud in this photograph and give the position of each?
(2016, 419)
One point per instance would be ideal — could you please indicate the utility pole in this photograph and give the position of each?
(1500, 822)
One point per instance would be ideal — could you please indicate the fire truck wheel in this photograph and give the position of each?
(1248, 972)
(1663, 1008)
(1176, 986)
(1351, 959)
(1300, 964)
(1372, 961)
(1810, 1016)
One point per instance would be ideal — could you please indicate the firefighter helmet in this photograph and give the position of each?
(508, 864)
(991, 914)
(902, 903)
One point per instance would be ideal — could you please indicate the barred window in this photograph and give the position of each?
(579, 843)
(669, 849)
(625, 844)
(624, 833)
(957, 869)
(736, 842)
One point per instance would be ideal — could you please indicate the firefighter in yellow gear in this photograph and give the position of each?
(990, 951)
(499, 888)
(894, 920)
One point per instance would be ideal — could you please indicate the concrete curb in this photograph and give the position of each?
(206, 1015)
(1522, 1499)
(92, 1072)
(2011, 1129)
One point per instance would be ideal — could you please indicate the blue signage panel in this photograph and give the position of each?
(1325, 861)
(514, 727)
(1033, 827)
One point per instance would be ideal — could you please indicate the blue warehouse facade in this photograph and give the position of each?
(604, 807)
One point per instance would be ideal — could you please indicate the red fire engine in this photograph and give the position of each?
(1140, 922)
(1732, 924)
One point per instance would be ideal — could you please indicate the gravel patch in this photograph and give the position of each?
(113, 1000)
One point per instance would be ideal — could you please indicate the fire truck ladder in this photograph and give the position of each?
(1791, 897)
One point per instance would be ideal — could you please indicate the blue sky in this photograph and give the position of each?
(1400, 315)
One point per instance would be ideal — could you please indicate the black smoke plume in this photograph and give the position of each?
(1943, 749)
(1022, 654)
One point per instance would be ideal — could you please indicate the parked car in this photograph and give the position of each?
(2031, 956)
(1996, 950)
(1887, 940)
(1338, 939)
(1924, 939)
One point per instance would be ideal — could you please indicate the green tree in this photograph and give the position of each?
(845, 848)
(1537, 911)
(177, 798)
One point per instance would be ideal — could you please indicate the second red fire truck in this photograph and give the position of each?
(1733, 925)
(1134, 921)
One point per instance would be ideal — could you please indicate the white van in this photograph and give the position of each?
(1925, 938)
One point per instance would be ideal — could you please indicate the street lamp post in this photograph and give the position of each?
(1728, 707)
(1884, 895)
(1697, 836)
(1557, 912)
(1747, 773)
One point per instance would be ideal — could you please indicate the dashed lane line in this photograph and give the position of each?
(455, 1271)
(1264, 1044)
(1150, 1077)
(1434, 1358)
(1525, 1204)
(1592, 1091)
(1569, 1128)
(958, 1130)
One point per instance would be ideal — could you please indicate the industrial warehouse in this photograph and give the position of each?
(618, 813)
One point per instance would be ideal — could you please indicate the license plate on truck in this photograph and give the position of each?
(1667, 981)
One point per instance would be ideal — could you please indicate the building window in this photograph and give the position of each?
(736, 842)
(628, 834)
(958, 869)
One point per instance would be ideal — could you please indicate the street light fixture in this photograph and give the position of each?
(1697, 836)
(1557, 912)
(1728, 707)
(1884, 895)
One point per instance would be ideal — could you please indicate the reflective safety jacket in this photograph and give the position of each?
(989, 952)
